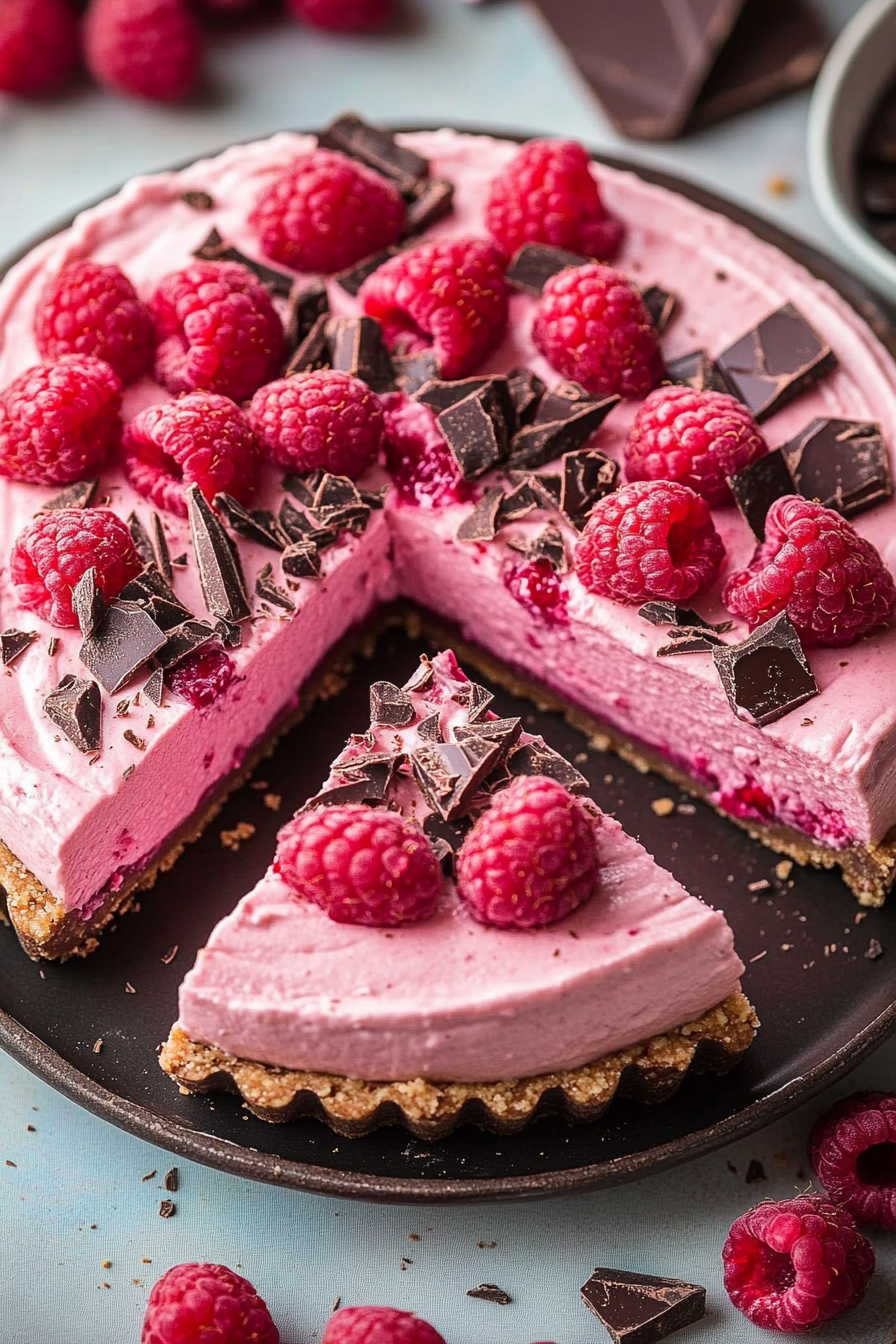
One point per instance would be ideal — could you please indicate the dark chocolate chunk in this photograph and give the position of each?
(376, 147)
(77, 496)
(877, 189)
(875, 950)
(767, 675)
(413, 371)
(313, 351)
(308, 301)
(357, 347)
(430, 728)
(587, 476)
(506, 732)
(337, 504)
(642, 1308)
(540, 443)
(13, 644)
(179, 561)
(88, 602)
(183, 640)
(198, 200)
(215, 249)
(446, 839)
(303, 487)
(154, 593)
(433, 200)
(661, 304)
(440, 393)
(756, 488)
(526, 391)
(532, 266)
(548, 545)
(127, 638)
(359, 781)
(421, 679)
(230, 633)
(155, 687)
(537, 758)
(258, 525)
(390, 705)
(490, 1292)
(450, 774)
(844, 464)
(474, 697)
(374, 499)
(76, 708)
(667, 613)
(482, 523)
(696, 370)
(167, 1208)
(142, 540)
(295, 524)
(771, 364)
(524, 499)
(160, 548)
(353, 277)
(301, 560)
(476, 428)
(268, 591)
(220, 571)
(755, 1172)
(353, 791)
(562, 401)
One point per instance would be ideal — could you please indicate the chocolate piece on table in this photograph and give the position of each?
(844, 464)
(390, 706)
(538, 444)
(357, 347)
(587, 476)
(268, 591)
(77, 496)
(183, 640)
(220, 571)
(314, 350)
(526, 391)
(301, 560)
(548, 545)
(259, 525)
(127, 638)
(661, 305)
(476, 428)
(76, 708)
(537, 758)
(642, 1308)
(696, 370)
(450, 773)
(413, 371)
(308, 301)
(160, 548)
(353, 277)
(13, 644)
(376, 147)
(533, 264)
(88, 602)
(155, 687)
(771, 364)
(198, 200)
(490, 1292)
(482, 523)
(767, 675)
(141, 539)
(216, 249)
(756, 488)
(433, 200)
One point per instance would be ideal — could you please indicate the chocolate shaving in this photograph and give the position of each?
(526, 390)
(490, 1292)
(301, 560)
(88, 602)
(154, 688)
(587, 476)
(449, 773)
(167, 1209)
(198, 200)
(532, 266)
(772, 363)
(182, 641)
(537, 758)
(562, 401)
(390, 705)
(376, 147)
(642, 1308)
(548, 545)
(258, 525)
(160, 548)
(179, 561)
(220, 572)
(482, 523)
(142, 540)
(476, 428)
(540, 443)
(353, 277)
(268, 591)
(413, 371)
(75, 707)
(767, 675)
(357, 347)
(756, 488)
(77, 496)
(434, 199)
(13, 644)
(313, 351)
(524, 499)
(698, 371)
(844, 464)
(661, 305)
(308, 301)
(127, 638)
(215, 249)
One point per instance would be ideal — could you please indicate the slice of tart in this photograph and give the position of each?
(543, 968)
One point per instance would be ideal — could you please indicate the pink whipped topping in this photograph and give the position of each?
(449, 998)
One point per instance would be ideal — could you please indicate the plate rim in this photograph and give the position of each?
(198, 1146)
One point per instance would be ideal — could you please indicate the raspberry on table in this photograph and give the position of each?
(326, 419)
(59, 422)
(326, 212)
(38, 45)
(361, 865)
(192, 1303)
(833, 583)
(421, 464)
(548, 193)
(531, 857)
(793, 1265)
(591, 326)
(217, 330)
(698, 438)
(89, 309)
(378, 1325)
(56, 550)
(853, 1152)
(203, 677)
(448, 296)
(342, 16)
(650, 539)
(200, 439)
(147, 48)
(536, 585)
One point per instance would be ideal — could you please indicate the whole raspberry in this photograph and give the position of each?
(548, 194)
(360, 865)
(793, 1265)
(326, 212)
(447, 295)
(833, 583)
(421, 464)
(217, 329)
(56, 550)
(853, 1150)
(591, 326)
(378, 1325)
(342, 16)
(206, 1304)
(200, 439)
(90, 309)
(38, 44)
(146, 48)
(59, 422)
(649, 539)
(536, 585)
(531, 858)
(698, 438)
(203, 677)
(326, 419)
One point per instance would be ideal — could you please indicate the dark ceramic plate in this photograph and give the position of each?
(822, 1010)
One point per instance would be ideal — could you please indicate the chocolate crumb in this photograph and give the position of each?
(755, 1172)
(148, 1177)
(167, 1209)
(337, 1301)
(135, 741)
(10, 1164)
(169, 955)
(875, 950)
(171, 1181)
(31, 1129)
(486, 1245)
(128, 771)
(52, 646)
(490, 1292)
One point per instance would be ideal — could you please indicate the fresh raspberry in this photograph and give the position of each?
(206, 1304)
(698, 438)
(360, 865)
(217, 330)
(531, 859)
(548, 194)
(146, 48)
(853, 1151)
(378, 1325)
(342, 16)
(56, 550)
(591, 326)
(536, 586)
(649, 539)
(832, 582)
(326, 212)
(422, 465)
(90, 309)
(201, 439)
(203, 677)
(38, 44)
(447, 295)
(326, 419)
(790, 1266)
(59, 422)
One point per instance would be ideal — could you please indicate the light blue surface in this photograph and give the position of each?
(71, 1194)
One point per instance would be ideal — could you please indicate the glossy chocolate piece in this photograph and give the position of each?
(414, 371)
(216, 249)
(183, 640)
(450, 773)
(506, 732)
(767, 675)
(430, 728)
(259, 525)
(127, 638)
(587, 476)
(160, 548)
(376, 147)
(844, 464)
(476, 699)
(696, 370)
(526, 391)
(76, 709)
(313, 352)
(490, 1292)
(269, 591)
(390, 705)
(13, 644)
(548, 545)
(476, 428)
(337, 504)
(308, 301)
(88, 602)
(661, 304)
(301, 560)
(540, 443)
(440, 393)
(434, 199)
(77, 496)
(642, 1308)
(532, 266)
(537, 758)
(772, 363)
(756, 488)
(141, 539)
(356, 346)
(482, 524)
(155, 687)
(220, 571)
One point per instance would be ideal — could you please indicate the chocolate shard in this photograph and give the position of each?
(220, 572)
(374, 499)
(413, 371)
(540, 443)
(160, 548)
(533, 264)
(268, 590)
(313, 352)
(430, 728)
(88, 602)
(13, 644)
(772, 363)
(506, 732)
(844, 464)
(446, 839)
(183, 640)
(661, 304)
(450, 773)
(537, 758)
(142, 540)
(229, 633)
(198, 200)
(421, 679)
(308, 301)
(703, 643)
(433, 200)
(476, 428)
(587, 476)
(352, 791)
(524, 499)
(337, 504)
(303, 487)
(301, 560)
(482, 523)
(357, 347)
(642, 1308)
(440, 393)
(767, 675)
(155, 687)
(353, 277)
(490, 1292)
(696, 370)
(295, 524)
(77, 496)
(667, 613)
(154, 593)
(548, 545)
(258, 525)
(216, 249)
(390, 705)
(376, 147)
(526, 391)
(127, 638)
(756, 488)
(76, 709)
(475, 698)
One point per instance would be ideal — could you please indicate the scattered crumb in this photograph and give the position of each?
(107, 1264)
(490, 1292)
(486, 1245)
(413, 1236)
(762, 884)
(122, 708)
(861, 914)
(787, 947)
(169, 955)
(127, 772)
(135, 741)
(31, 1129)
(97, 1046)
(608, 779)
(721, 275)
(875, 950)
(148, 1177)
(53, 646)
(404, 1262)
(171, 1181)
(779, 185)
(336, 1302)
(9, 1163)
(686, 809)
(258, 784)
(758, 956)
(244, 830)
(167, 1209)
(581, 758)
(783, 869)
(272, 801)
(151, 722)
(663, 807)
(144, 1260)
(129, 988)
(755, 1171)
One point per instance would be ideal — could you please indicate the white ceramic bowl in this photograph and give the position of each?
(859, 67)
